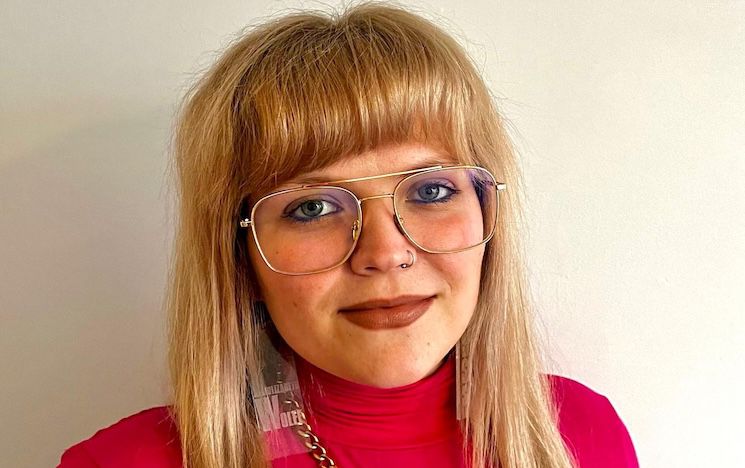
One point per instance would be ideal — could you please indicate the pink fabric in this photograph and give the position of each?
(362, 426)
(411, 426)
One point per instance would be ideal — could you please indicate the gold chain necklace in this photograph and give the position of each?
(309, 438)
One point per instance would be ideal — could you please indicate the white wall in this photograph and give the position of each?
(630, 120)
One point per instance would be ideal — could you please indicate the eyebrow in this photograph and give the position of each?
(427, 162)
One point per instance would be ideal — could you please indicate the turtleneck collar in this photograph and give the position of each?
(357, 415)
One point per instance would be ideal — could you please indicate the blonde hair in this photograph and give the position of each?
(298, 93)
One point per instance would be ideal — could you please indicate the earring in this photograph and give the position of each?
(413, 259)
(462, 380)
(276, 398)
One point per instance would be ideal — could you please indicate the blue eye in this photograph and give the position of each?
(434, 192)
(310, 210)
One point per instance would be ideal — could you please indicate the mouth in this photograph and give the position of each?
(377, 317)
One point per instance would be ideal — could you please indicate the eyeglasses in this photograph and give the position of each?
(315, 227)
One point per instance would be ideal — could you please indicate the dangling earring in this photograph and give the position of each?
(275, 392)
(462, 380)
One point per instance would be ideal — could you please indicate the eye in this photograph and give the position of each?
(310, 210)
(433, 192)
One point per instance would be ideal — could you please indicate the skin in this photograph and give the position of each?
(305, 309)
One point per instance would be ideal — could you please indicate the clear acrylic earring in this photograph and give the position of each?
(275, 392)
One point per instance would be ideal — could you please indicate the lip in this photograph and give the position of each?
(378, 303)
(388, 313)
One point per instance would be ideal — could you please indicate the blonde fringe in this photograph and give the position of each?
(295, 94)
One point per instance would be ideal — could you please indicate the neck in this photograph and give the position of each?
(344, 412)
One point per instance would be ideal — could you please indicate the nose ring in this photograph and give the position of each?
(413, 259)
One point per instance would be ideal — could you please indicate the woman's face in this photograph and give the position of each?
(308, 310)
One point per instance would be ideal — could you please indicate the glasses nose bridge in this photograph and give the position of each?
(390, 195)
(396, 219)
(373, 197)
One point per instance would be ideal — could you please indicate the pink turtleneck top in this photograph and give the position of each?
(362, 426)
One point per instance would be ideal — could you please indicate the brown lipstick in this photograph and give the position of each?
(375, 315)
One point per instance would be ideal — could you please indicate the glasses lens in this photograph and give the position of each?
(306, 230)
(312, 229)
(448, 209)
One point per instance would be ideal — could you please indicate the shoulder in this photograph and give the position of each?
(591, 427)
(147, 438)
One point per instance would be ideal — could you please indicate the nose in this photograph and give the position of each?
(382, 244)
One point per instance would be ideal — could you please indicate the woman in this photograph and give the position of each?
(347, 268)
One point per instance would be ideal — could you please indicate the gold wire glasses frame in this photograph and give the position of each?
(357, 227)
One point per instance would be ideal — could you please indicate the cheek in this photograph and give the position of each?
(293, 301)
(461, 270)
(297, 308)
(299, 298)
(281, 292)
